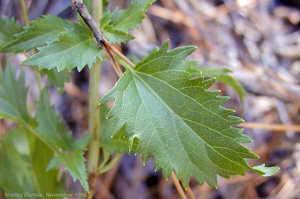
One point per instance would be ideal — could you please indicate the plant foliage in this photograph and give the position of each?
(162, 108)
(164, 103)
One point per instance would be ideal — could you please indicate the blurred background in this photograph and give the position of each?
(259, 40)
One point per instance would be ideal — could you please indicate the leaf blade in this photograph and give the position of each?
(42, 30)
(116, 25)
(8, 28)
(174, 118)
(13, 95)
(76, 48)
(25, 170)
(55, 132)
(222, 75)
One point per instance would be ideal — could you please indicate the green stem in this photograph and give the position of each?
(94, 142)
(25, 16)
(24, 10)
(38, 79)
(109, 165)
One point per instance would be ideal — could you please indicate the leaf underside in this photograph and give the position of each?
(164, 103)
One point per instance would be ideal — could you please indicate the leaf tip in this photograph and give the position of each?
(265, 171)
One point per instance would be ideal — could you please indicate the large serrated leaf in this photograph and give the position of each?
(116, 25)
(42, 30)
(8, 28)
(13, 94)
(52, 128)
(164, 103)
(76, 48)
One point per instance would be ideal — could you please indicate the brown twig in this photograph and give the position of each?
(272, 127)
(190, 193)
(178, 186)
(118, 53)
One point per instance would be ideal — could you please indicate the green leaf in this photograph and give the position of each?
(8, 28)
(51, 127)
(116, 36)
(13, 94)
(165, 104)
(16, 172)
(222, 75)
(116, 25)
(74, 161)
(25, 160)
(265, 171)
(40, 156)
(118, 143)
(42, 30)
(56, 78)
(76, 48)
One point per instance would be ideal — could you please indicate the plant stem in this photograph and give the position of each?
(178, 186)
(190, 193)
(94, 120)
(25, 16)
(108, 166)
(24, 10)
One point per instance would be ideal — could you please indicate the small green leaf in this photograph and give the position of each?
(116, 25)
(130, 18)
(222, 75)
(265, 171)
(42, 30)
(51, 127)
(74, 162)
(116, 36)
(165, 104)
(76, 48)
(13, 94)
(8, 28)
